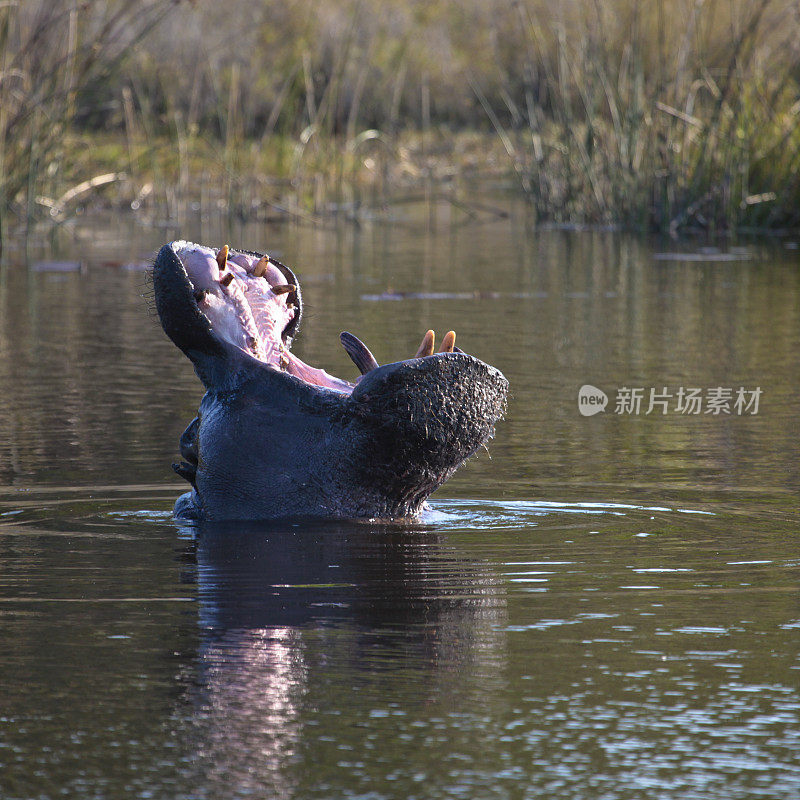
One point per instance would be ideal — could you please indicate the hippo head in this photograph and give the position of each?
(275, 437)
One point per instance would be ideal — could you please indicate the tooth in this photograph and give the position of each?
(260, 269)
(426, 348)
(283, 288)
(448, 343)
(226, 279)
(200, 295)
(222, 256)
(358, 352)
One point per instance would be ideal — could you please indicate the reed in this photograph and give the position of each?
(52, 57)
(651, 114)
(667, 115)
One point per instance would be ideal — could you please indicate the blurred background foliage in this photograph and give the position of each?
(656, 114)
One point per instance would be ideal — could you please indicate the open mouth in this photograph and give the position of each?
(254, 302)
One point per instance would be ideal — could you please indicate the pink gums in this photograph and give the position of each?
(247, 313)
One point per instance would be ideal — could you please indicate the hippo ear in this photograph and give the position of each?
(430, 414)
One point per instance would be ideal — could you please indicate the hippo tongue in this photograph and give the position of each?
(318, 377)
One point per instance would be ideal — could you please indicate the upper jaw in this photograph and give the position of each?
(249, 301)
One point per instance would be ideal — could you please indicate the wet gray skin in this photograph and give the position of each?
(275, 437)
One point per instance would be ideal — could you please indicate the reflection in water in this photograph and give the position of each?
(252, 681)
(280, 606)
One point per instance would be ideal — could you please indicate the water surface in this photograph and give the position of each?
(600, 606)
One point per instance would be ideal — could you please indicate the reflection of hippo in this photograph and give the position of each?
(317, 636)
(275, 437)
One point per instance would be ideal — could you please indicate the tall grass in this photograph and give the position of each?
(51, 55)
(665, 114)
(657, 114)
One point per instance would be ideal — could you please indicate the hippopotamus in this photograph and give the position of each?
(277, 438)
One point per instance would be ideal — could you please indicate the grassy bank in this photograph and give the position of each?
(651, 115)
(363, 178)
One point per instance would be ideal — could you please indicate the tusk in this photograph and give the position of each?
(283, 288)
(222, 256)
(358, 352)
(448, 343)
(260, 269)
(426, 347)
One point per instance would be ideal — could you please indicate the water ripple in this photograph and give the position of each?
(509, 514)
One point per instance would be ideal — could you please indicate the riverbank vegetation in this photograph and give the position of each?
(656, 114)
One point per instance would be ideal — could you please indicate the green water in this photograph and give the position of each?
(597, 607)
